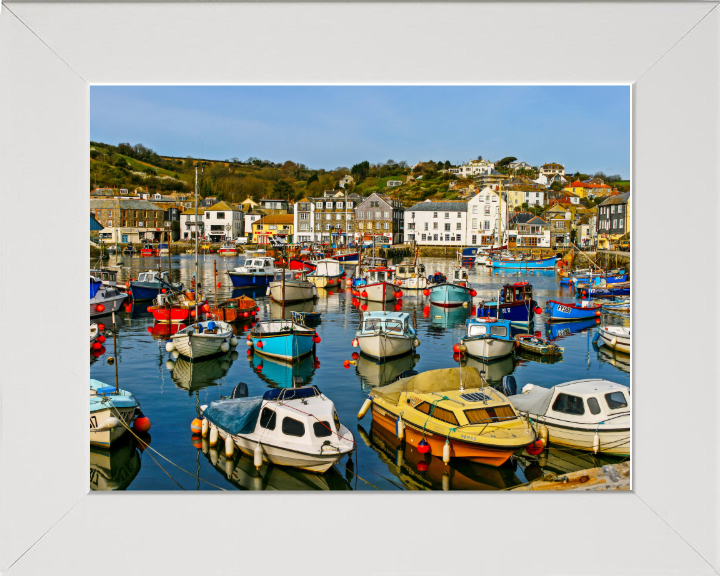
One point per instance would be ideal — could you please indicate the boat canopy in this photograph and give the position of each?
(153, 276)
(406, 270)
(284, 394)
(386, 322)
(379, 274)
(430, 381)
(95, 285)
(236, 416)
(461, 274)
(536, 402)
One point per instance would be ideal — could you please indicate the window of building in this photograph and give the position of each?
(474, 239)
(459, 214)
(386, 225)
(374, 204)
(619, 209)
(318, 205)
(447, 214)
(304, 216)
(424, 237)
(475, 209)
(338, 204)
(292, 427)
(360, 225)
(427, 225)
(447, 237)
(612, 209)
(338, 216)
(487, 225)
(328, 216)
(140, 224)
(328, 204)
(386, 214)
(474, 223)
(435, 225)
(378, 225)
(435, 237)
(567, 404)
(349, 204)
(447, 227)
(434, 214)
(458, 226)
(378, 215)
(487, 210)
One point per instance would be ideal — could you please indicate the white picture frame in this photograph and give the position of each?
(49, 55)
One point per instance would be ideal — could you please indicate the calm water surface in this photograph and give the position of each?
(170, 397)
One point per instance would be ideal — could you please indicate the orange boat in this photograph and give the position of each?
(236, 310)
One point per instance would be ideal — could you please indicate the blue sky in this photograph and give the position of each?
(586, 128)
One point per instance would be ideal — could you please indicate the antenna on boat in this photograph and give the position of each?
(117, 382)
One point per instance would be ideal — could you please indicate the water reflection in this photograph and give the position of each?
(279, 374)
(494, 370)
(277, 313)
(417, 471)
(201, 373)
(619, 360)
(559, 330)
(116, 468)
(559, 460)
(442, 318)
(374, 373)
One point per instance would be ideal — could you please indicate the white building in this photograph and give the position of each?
(250, 218)
(552, 169)
(188, 224)
(436, 223)
(486, 216)
(223, 222)
(473, 168)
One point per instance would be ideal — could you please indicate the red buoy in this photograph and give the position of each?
(330, 292)
(316, 339)
(535, 448)
(423, 447)
(96, 346)
(253, 312)
(249, 337)
(206, 307)
(101, 326)
(164, 290)
(259, 344)
(398, 294)
(364, 294)
(363, 307)
(149, 309)
(456, 348)
(538, 310)
(141, 424)
(149, 329)
(100, 308)
(246, 314)
(218, 284)
(355, 355)
(101, 339)
(192, 313)
(346, 363)
(422, 466)
(597, 313)
(127, 283)
(473, 293)
(426, 292)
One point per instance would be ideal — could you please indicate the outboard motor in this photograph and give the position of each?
(509, 386)
(240, 391)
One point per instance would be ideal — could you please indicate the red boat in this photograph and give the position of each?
(175, 308)
(300, 264)
(160, 330)
(149, 250)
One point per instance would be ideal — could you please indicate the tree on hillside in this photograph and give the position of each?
(556, 186)
(283, 190)
(313, 178)
(505, 161)
(360, 171)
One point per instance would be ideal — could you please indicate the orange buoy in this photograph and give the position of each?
(196, 426)
(141, 424)
(346, 363)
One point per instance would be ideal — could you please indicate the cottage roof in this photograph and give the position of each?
(122, 204)
(276, 219)
(221, 206)
(448, 206)
(617, 199)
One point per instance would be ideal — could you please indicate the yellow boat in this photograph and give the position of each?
(453, 406)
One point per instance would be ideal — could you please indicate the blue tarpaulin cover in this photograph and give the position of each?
(236, 416)
(94, 287)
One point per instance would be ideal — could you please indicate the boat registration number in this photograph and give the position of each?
(565, 309)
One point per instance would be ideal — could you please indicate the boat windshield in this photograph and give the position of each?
(498, 330)
(477, 329)
(372, 324)
(394, 326)
(486, 415)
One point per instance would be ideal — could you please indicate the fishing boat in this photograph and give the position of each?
(537, 345)
(451, 413)
(129, 249)
(288, 287)
(346, 256)
(520, 264)
(455, 292)
(488, 338)
(378, 287)
(108, 407)
(615, 337)
(296, 427)
(619, 289)
(148, 250)
(149, 284)
(239, 309)
(104, 299)
(516, 304)
(616, 306)
(175, 306)
(94, 332)
(591, 415)
(562, 311)
(589, 276)
(386, 335)
(164, 248)
(108, 277)
(202, 339)
(302, 264)
(228, 249)
(282, 339)
(327, 273)
(255, 271)
(598, 281)
(411, 276)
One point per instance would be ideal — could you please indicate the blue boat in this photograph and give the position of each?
(541, 263)
(283, 339)
(555, 331)
(584, 277)
(455, 293)
(561, 311)
(347, 257)
(257, 271)
(599, 281)
(516, 304)
(607, 291)
(149, 284)
(488, 338)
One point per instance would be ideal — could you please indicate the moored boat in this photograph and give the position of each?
(537, 345)
(202, 339)
(104, 299)
(327, 273)
(450, 412)
(378, 287)
(455, 292)
(149, 284)
(386, 335)
(589, 414)
(228, 249)
(255, 271)
(237, 309)
(563, 311)
(488, 338)
(615, 337)
(516, 304)
(297, 427)
(518, 264)
(411, 276)
(292, 288)
(109, 409)
(94, 332)
(282, 339)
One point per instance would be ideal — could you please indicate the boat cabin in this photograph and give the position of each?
(406, 270)
(374, 262)
(482, 327)
(460, 276)
(154, 276)
(327, 267)
(388, 322)
(262, 265)
(108, 277)
(376, 275)
(518, 292)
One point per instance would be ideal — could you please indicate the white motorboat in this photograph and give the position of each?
(376, 286)
(294, 289)
(104, 299)
(202, 339)
(615, 337)
(488, 338)
(297, 427)
(327, 274)
(386, 335)
(256, 271)
(589, 415)
(411, 276)
(109, 408)
(94, 332)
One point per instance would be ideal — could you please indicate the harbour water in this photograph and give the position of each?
(170, 397)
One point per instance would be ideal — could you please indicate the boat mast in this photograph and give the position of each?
(197, 228)
(117, 383)
(282, 282)
(215, 280)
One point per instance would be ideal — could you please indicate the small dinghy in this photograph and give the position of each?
(238, 309)
(536, 345)
(488, 338)
(561, 311)
(296, 427)
(615, 337)
(589, 415)
(288, 287)
(104, 299)
(203, 339)
(282, 339)
(108, 406)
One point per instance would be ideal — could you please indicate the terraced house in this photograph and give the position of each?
(128, 220)
(276, 225)
(380, 216)
(437, 223)
(325, 220)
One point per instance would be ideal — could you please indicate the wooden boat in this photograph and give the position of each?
(282, 339)
(455, 292)
(202, 339)
(536, 345)
(228, 249)
(563, 311)
(386, 335)
(589, 415)
(108, 406)
(175, 306)
(451, 406)
(516, 304)
(488, 338)
(615, 337)
(296, 427)
(238, 309)
(104, 299)
(518, 264)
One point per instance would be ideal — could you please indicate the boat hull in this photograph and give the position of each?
(352, 257)
(614, 441)
(559, 312)
(516, 312)
(240, 280)
(107, 437)
(295, 291)
(223, 252)
(200, 345)
(286, 347)
(325, 281)
(380, 292)
(449, 295)
(167, 314)
(616, 340)
(384, 347)
(543, 263)
(488, 348)
(413, 283)
(111, 305)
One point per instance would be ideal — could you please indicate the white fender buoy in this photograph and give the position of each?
(249, 342)
(205, 427)
(234, 341)
(213, 435)
(225, 347)
(169, 364)
(229, 446)
(613, 342)
(355, 343)
(109, 424)
(543, 435)
(365, 407)
(465, 304)
(446, 481)
(267, 292)
(213, 456)
(169, 347)
(596, 442)
(416, 343)
(175, 354)
(400, 428)
(446, 452)
(258, 456)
